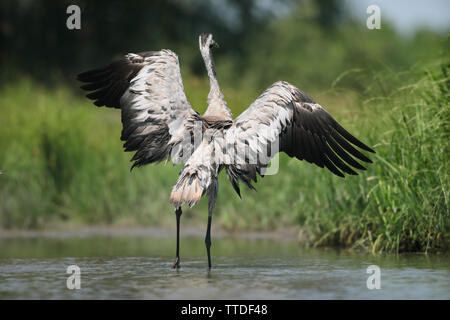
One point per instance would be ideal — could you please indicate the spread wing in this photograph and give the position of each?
(286, 119)
(157, 119)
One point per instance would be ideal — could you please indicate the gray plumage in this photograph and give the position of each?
(148, 89)
(160, 124)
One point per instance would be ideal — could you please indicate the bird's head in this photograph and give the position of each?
(207, 42)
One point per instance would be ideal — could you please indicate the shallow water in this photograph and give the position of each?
(139, 267)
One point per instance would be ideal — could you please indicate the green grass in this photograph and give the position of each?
(401, 203)
(65, 164)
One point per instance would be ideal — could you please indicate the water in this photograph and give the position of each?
(139, 267)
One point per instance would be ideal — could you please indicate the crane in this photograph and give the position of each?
(158, 123)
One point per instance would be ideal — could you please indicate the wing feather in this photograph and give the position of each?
(300, 127)
(147, 87)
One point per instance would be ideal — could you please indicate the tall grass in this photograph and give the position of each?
(401, 203)
(65, 164)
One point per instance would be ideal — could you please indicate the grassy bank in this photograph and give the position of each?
(65, 164)
(401, 203)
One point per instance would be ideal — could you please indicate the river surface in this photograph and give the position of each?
(139, 267)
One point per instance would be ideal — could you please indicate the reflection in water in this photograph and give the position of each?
(140, 268)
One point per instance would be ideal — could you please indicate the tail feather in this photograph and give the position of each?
(194, 179)
(187, 190)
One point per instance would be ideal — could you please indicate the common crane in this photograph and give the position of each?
(160, 124)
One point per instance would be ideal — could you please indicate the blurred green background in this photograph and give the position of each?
(64, 161)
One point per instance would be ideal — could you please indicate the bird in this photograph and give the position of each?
(159, 124)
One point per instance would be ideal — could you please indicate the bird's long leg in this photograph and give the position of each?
(208, 238)
(178, 213)
(212, 196)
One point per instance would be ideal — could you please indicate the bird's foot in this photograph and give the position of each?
(176, 264)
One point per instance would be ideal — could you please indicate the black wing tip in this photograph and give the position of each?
(361, 145)
(349, 137)
(82, 77)
(366, 148)
(99, 103)
(236, 188)
(85, 76)
(90, 75)
(339, 174)
(136, 164)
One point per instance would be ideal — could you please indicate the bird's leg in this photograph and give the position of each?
(212, 196)
(208, 238)
(178, 213)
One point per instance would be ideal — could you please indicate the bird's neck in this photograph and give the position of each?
(217, 107)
